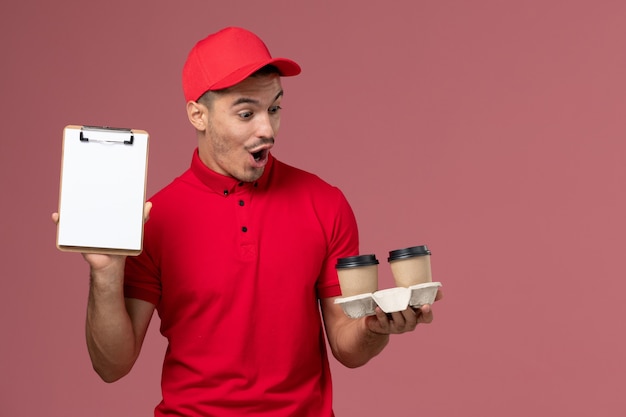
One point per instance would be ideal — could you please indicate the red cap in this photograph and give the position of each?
(226, 58)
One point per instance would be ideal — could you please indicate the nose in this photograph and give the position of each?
(266, 126)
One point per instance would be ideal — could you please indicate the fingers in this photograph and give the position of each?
(425, 314)
(380, 323)
(146, 211)
(383, 320)
(377, 324)
(402, 321)
(395, 323)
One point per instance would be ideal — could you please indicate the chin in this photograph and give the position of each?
(251, 175)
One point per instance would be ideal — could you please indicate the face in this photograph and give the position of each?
(240, 125)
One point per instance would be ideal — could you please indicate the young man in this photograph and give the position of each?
(239, 257)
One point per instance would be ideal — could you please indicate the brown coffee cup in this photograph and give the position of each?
(410, 266)
(357, 274)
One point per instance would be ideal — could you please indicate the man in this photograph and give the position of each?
(239, 256)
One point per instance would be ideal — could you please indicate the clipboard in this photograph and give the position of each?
(102, 190)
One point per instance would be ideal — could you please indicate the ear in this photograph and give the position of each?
(197, 114)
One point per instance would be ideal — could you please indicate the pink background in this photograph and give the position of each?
(492, 131)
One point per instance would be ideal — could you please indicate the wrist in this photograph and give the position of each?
(107, 277)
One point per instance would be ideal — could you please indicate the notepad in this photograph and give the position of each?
(103, 190)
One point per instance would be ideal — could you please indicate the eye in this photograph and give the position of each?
(274, 109)
(245, 114)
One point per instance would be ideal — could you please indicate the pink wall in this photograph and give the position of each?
(492, 131)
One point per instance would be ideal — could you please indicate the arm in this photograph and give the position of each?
(354, 342)
(115, 326)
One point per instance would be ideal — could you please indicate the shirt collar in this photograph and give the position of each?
(223, 184)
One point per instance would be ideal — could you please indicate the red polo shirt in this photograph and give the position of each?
(235, 271)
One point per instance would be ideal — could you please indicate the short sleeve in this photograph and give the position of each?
(141, 274)
(343, 241)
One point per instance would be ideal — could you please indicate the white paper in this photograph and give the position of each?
(102, 191)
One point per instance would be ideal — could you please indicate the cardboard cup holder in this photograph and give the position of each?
(389, 300)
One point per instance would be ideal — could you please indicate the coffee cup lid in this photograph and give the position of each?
(354, 261)
(408, 252)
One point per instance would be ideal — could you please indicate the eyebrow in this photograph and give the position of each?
(244, 100)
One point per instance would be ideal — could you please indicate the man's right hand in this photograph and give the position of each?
(100, 262)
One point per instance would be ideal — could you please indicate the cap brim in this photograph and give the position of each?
(286, 68)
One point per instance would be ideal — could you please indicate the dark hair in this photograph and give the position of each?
(266, 70)
(207, 98)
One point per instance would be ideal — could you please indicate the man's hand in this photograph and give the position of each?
(100, 262)
(401, 321)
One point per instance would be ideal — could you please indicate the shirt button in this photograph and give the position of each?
(244, 229)
(241, 203)
(225, 192)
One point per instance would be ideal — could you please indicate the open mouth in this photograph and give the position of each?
(260, 151)
(259, 155)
